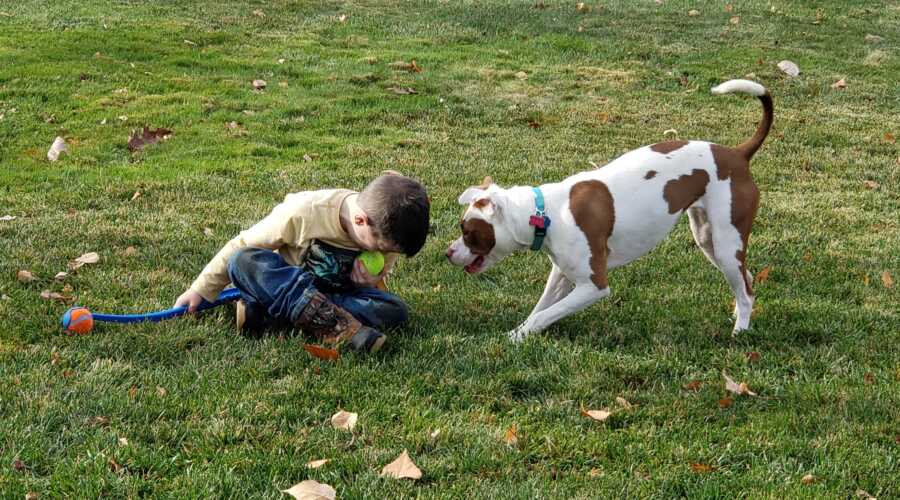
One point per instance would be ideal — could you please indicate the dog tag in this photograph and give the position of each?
(537, 221)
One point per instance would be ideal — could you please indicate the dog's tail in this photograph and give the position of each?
(749, 147)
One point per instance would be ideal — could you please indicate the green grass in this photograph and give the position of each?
(240, 418)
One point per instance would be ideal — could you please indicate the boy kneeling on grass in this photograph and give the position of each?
(298, 266)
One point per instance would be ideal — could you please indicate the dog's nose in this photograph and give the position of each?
(449, 253)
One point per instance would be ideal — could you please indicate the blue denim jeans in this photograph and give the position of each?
(269, 284)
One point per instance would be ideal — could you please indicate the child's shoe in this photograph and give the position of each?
(323, 320)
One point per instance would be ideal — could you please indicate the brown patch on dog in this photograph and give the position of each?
(731, 164)
(682, 192)
(478, 235)
(668, 146)
(483, 202)
(592, 207)
(650, 174)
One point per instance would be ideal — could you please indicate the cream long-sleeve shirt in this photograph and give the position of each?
(288, 230)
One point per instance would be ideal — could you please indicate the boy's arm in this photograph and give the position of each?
(279, 227)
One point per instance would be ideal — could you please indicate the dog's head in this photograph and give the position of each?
(485, 239)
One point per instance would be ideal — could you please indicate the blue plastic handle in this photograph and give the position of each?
(226, 296)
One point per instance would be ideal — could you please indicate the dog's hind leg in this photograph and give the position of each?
(702, 232)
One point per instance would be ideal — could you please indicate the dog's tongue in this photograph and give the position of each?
(475, 265)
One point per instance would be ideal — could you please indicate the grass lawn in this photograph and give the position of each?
(525, 93)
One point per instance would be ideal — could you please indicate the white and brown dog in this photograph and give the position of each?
(602, 219)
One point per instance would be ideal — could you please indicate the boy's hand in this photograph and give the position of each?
(361, 277)
(189, 298)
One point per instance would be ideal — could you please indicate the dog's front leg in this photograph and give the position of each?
(581, 297)
(558, 286)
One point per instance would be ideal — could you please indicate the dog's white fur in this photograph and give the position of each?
(642, 219)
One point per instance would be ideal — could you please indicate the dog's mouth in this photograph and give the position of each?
(476, 265)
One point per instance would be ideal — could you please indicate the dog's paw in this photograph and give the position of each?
(516, 336)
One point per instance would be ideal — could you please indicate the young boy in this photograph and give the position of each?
(298, 265)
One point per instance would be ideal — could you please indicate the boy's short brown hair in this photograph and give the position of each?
(398, 210)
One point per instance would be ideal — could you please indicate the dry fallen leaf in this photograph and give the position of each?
(789, 68)
(512, 435)
(137, 142)
(598, 415)
(403, 90)
(870, 38)
(410, 66)
(869, 378)
(725, 402)
(132, 392)
(315, 464)
(31, 495)
(762, 276)
(624, 403)
(735, 20)
(123, 441)
(161, 391)
(343, 18)
(115, 466)
(24, 276)
(871, 184)
(735, 388)
(18, 465)
(595, 472)
(344, 420)
(701, 468)
(311, 490)
(729, 7)
(88, 258)
(582, 7)
(753, 356)
(48, 295)
(60, 276)
(401, 468)
(130, 252)
(307, 158)
(840, 84)
(889, 138)
(887, 280)
(57, 148)
(322, 352)
(808, 479)
(435, 433)
(693, 385)
(208, 231)
(281, 61)
(521, 75)
(863, 494)
(98, 421)
(7, 218)
(807, 257)
(136, 195)
(693, 12)
(259, 13)
(259, 84)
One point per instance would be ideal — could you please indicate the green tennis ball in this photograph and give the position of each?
(374, 262)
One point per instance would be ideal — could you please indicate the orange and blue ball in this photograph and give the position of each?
(78, 320)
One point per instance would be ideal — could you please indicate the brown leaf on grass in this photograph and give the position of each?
(138, 141)
(808, 479)
(582, 7)
(753, 356)
(807, 257)
(435, 433)
(521, 75)
(48, 295)
(307, 158)
(24, 276)
(31, 495)
(343, 18)
(624, 403)
(735, 388)
(55, 358)
(132, 392)
(88, 258)
(7, 218)
(693, 12)
(870, 38)
(840, 84)
(136, 195)
(864, 495)
(98, 421)
(403, 90)
(595, 472)
(311, 490)
(130, 252)
(161, 391)
(762, 276)
(410, 66)
(344, 420)
(115, 466)
(322, 352)
(18, 465)
(735, 20)
(402, 468)
(512, 435)
(693, 386)
(871, 184)
(702, 468)
(315, 464)
(259, 13)
(889, 138)
(725, 402)
(123, 441)
(789, 68)
(598, 415)
(729, 7)
(259, 84)
(869, 378)
(60, 276)
(886, 280)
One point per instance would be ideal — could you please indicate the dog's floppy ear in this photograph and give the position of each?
(471, 194)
